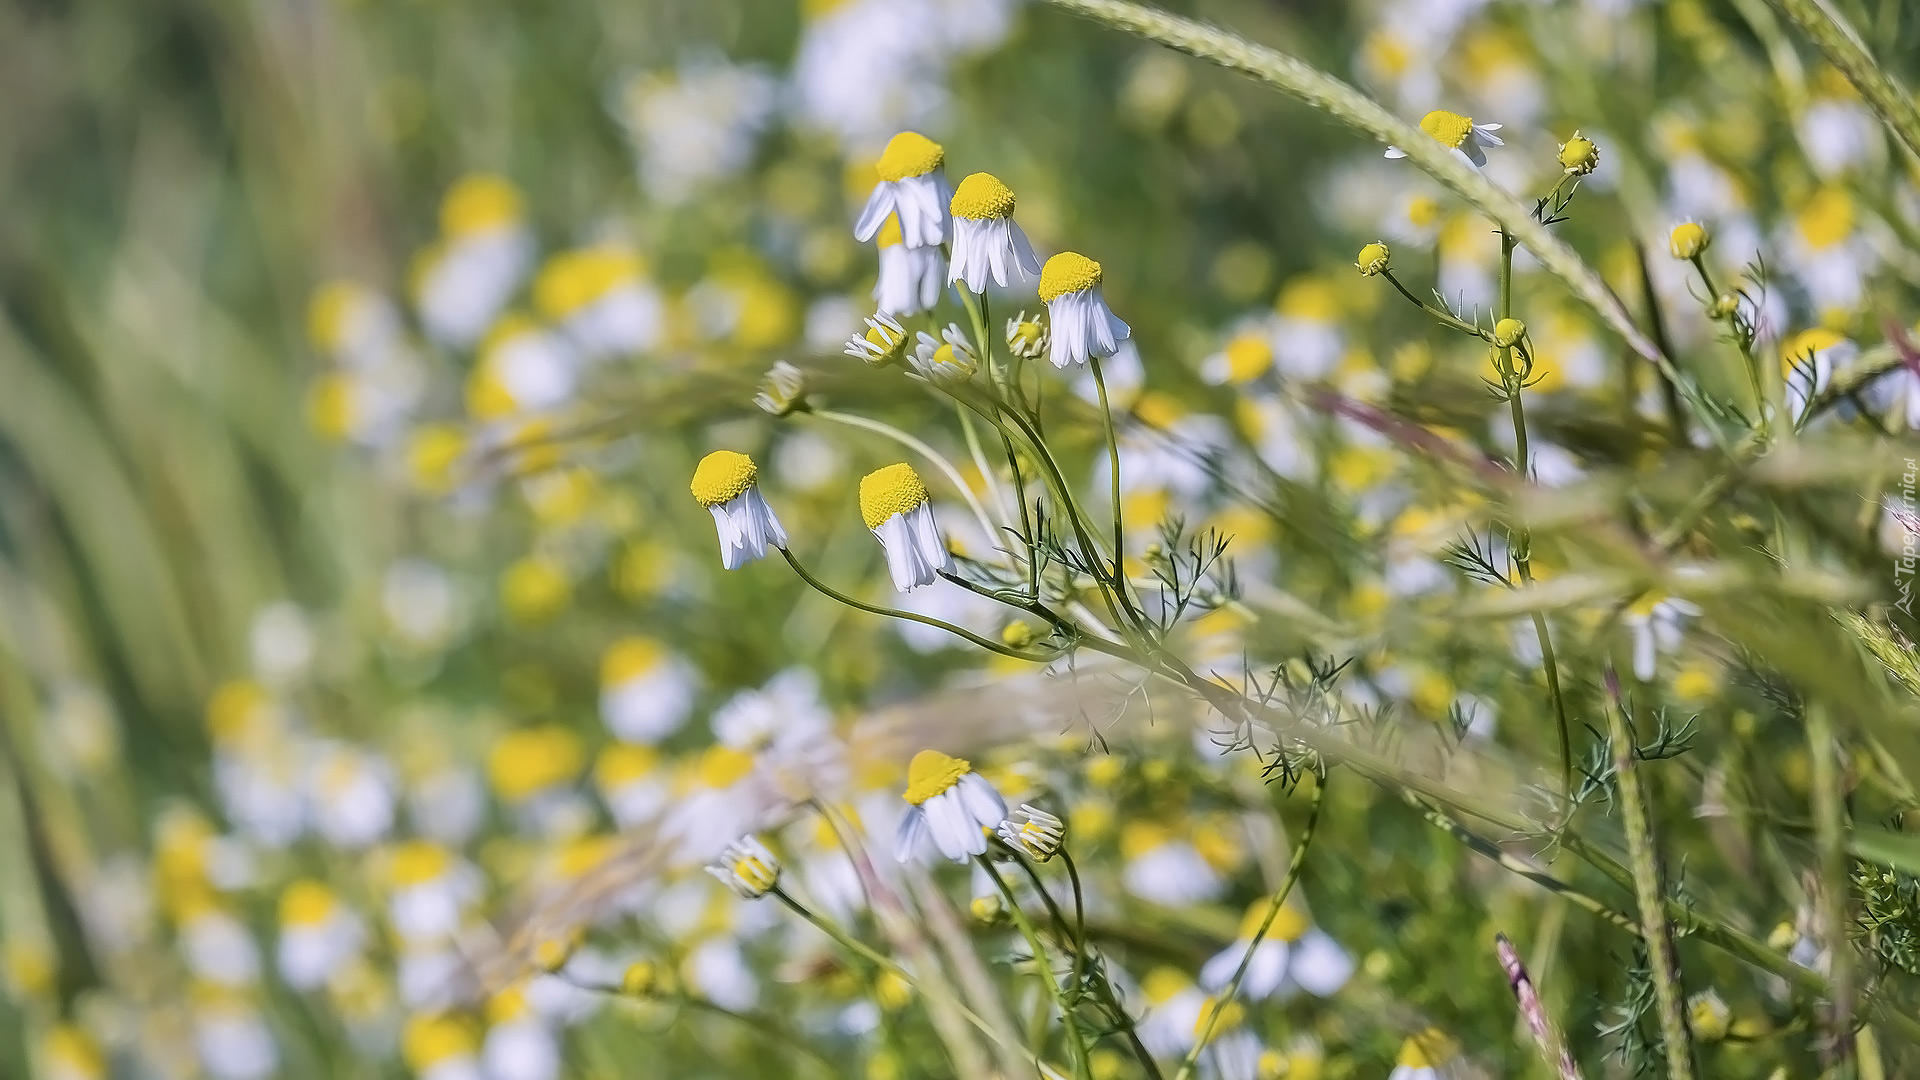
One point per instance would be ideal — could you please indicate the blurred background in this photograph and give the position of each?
(354, 353)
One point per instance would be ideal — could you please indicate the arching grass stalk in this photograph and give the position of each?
(1843, 49)
(1070, 1024)
(913, 616)
(910, 442)
(1299, 860)
(1649, 889)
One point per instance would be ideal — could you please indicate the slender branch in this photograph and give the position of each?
(1843, 49)
(912, 616)
(1829, 831)
(1076, 1043)
(1446, 318)
(1113, 466)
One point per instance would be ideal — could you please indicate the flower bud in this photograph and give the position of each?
(641, 979)
(988, 910)
(1027, 338)
(552, 954)
(783, 390)
(1688, 240)
(1373, 259)
(1508, 332)
(1708, 1016)
(1034, 832)
(1724, 306)
(1578, 155)
(1016, 635)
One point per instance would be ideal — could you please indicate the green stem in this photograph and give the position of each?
(1078, 938)
(1650, 893)
(946, 467)
(979, 456)
(1523, 536)
(912, 616)
(1076, 1043)
(1829, 831)
(1226, 996)
(1113, 467)
(1445, 318)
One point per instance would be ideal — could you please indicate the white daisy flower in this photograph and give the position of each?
(432, 891)
(987, 242)
(945, 360)
(1423, 1056)
(1038, 834)
(232, 1040)
(646, 692)
(1165, 868)
(217, 947)
(911, 278)
(1655, 622)
(318, 935)
(1459, 134)
(882, 342)
(1232, 1052)
(519, 1044)
(484, 249)
(1080, 322)
(600, 298)
(352, 795)
(631, 783)
(1173, 1007)
(1267, 970)
(439, 1047)
(747, 867)
(724, 484)
(913, 186)
(950, 803)
(893, 503)
(1895, 396)
(523, 368)
(1808, 361)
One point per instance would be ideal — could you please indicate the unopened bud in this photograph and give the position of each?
(1016, 635)
(1508, 332)
(1688, 240)
(1373, 259)
(1578, 155)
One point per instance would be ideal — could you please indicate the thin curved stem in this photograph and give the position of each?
(911, 616)
(1076, 1042)
(1113, 467)
(1446, 318)
(1226, 996)
(946, 467)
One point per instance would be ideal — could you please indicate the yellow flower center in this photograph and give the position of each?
(754, 872)
(1230, 1015)
(931, 772)
(982, 197)
(883, 339)
(306, 903)
(479, 202)
(1068, 272)
(529, 760)
(723, 766)
(722, 477)
(1807, 344)
(628, 658)
(623, 763)
(1449, 129)
(909, 154)
(327, 313)
(430, 1040)
(1289, 924)
(417, 862)
(1426, 1050)
(895, 489)
(1827, 218)
(1163, 984)
(889, 234)
(1423, 211)
(1248, 357)
(573, 279)
(235, 707)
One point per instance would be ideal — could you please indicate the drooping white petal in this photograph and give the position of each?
(982, 801)
(1319, 965)
(911, 835)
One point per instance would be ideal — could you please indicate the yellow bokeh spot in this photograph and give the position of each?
(306, 903)
(1289, 923)
(530, 760)
(1827, 218)
(1249, 356)
(621, 764)
(236, 709)
(479, 202)
(534, 589)
(723, 766)
(431, 1040)
(330, 411)
(573, 279)
(629, 658)
(418, 862)
(433, 453)
(329, 312)
(1309, 298)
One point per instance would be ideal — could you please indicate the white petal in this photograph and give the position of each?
(912, 833)
(981, 800)
(874, 215)
(1395, 152)
(1319, 964)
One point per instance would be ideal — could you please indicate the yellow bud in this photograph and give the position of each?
(1017, 635)
(1508, 332)
(1688, 240)
(1578, 155)
(641, 979)
(1373, 259)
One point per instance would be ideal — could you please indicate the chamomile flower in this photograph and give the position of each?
(1173, 1008)
(519, 1044)
(233, 1040)
(911, 278)
(747, 868)
(216, 946)
(894, 504)
(631, 783)
(352, 795)
(432, 890)
(646, 691)
(1293, 952)
(1656, 622)
(950, 803)
(1423, 1056)
(724, 484)
(318, 935)
(987, 242)
(1459, 134)
(883, 341)
(1028, 338)
(947, 359)
(484, 249)
(1037, 834)
(1164, 867)
(600, 298)
(1080, 323)
(912, 185)
(439, 1048)
(1808, 361)
(1232, 1052)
